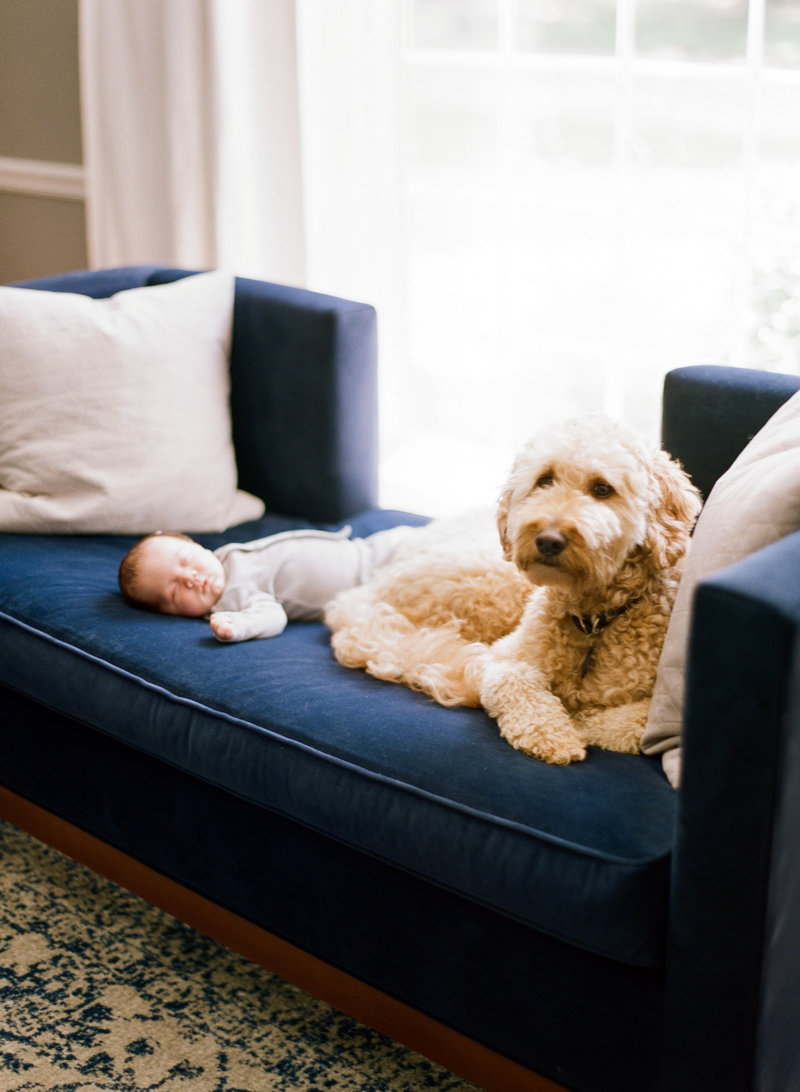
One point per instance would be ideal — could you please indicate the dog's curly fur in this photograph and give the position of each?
(556, 629)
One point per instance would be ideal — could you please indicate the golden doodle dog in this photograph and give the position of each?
(556, 629)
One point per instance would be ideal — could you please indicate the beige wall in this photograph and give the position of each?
(42, 216)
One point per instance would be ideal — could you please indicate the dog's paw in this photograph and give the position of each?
(617, 729)
(557, 748)
(530, 717)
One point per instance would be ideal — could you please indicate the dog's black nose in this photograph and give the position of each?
(550, 543)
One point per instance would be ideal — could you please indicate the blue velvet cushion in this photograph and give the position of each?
(580, 852)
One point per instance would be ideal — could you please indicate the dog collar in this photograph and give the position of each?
(592, 625)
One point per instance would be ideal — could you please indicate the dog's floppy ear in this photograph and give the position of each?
(503, 506)
(675, 506)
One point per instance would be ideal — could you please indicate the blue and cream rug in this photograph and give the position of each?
(99, 992)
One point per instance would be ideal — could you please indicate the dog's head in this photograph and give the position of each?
(585, 498)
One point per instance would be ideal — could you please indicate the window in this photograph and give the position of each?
(589, 194)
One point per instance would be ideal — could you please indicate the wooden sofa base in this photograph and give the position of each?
(398, 1021)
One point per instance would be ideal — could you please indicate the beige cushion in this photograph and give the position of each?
(756, 502)
(114, 414)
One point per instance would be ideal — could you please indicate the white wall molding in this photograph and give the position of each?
(40, 178)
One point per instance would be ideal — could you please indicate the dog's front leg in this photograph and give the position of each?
(528, 714)
(619, 728)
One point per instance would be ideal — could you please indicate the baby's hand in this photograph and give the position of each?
(223, 626)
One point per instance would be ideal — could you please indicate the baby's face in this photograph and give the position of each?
(179, 577)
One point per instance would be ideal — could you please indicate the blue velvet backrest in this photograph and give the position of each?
(303, 390)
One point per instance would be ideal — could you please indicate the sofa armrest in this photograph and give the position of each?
(710, 413)
(303, 390)
(736, 873)
(304, 400)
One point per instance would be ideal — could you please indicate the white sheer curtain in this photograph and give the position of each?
(350, 125)
(351, 112)
(257, 135)
(191, 134)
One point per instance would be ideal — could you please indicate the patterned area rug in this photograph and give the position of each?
(99, 991)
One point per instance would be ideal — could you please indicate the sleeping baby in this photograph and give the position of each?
(251, 589)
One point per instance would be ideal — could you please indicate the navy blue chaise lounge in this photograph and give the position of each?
(530, 926)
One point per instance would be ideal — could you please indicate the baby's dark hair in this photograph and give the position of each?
(129, 567)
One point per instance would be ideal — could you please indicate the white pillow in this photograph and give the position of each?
(114, 413)
(755, 503)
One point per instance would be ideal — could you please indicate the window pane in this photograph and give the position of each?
(774, 314)
(442, 414)
(701, 30)
(445, 24)
(775, 273)
(779, 136)
(453, 122)
(782, 32)
(685, 231)
(453, 283)
(561, 118)
(562, 310)
(510, 286)
(687, 121)
(553, 26)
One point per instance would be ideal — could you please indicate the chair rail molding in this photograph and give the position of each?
(41, 178)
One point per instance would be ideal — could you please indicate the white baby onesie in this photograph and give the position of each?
(295, 574)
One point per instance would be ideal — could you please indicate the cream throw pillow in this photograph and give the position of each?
(114, 414)
(755, 503)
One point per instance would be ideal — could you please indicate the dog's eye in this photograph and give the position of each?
(544, 481)
(602, 490)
